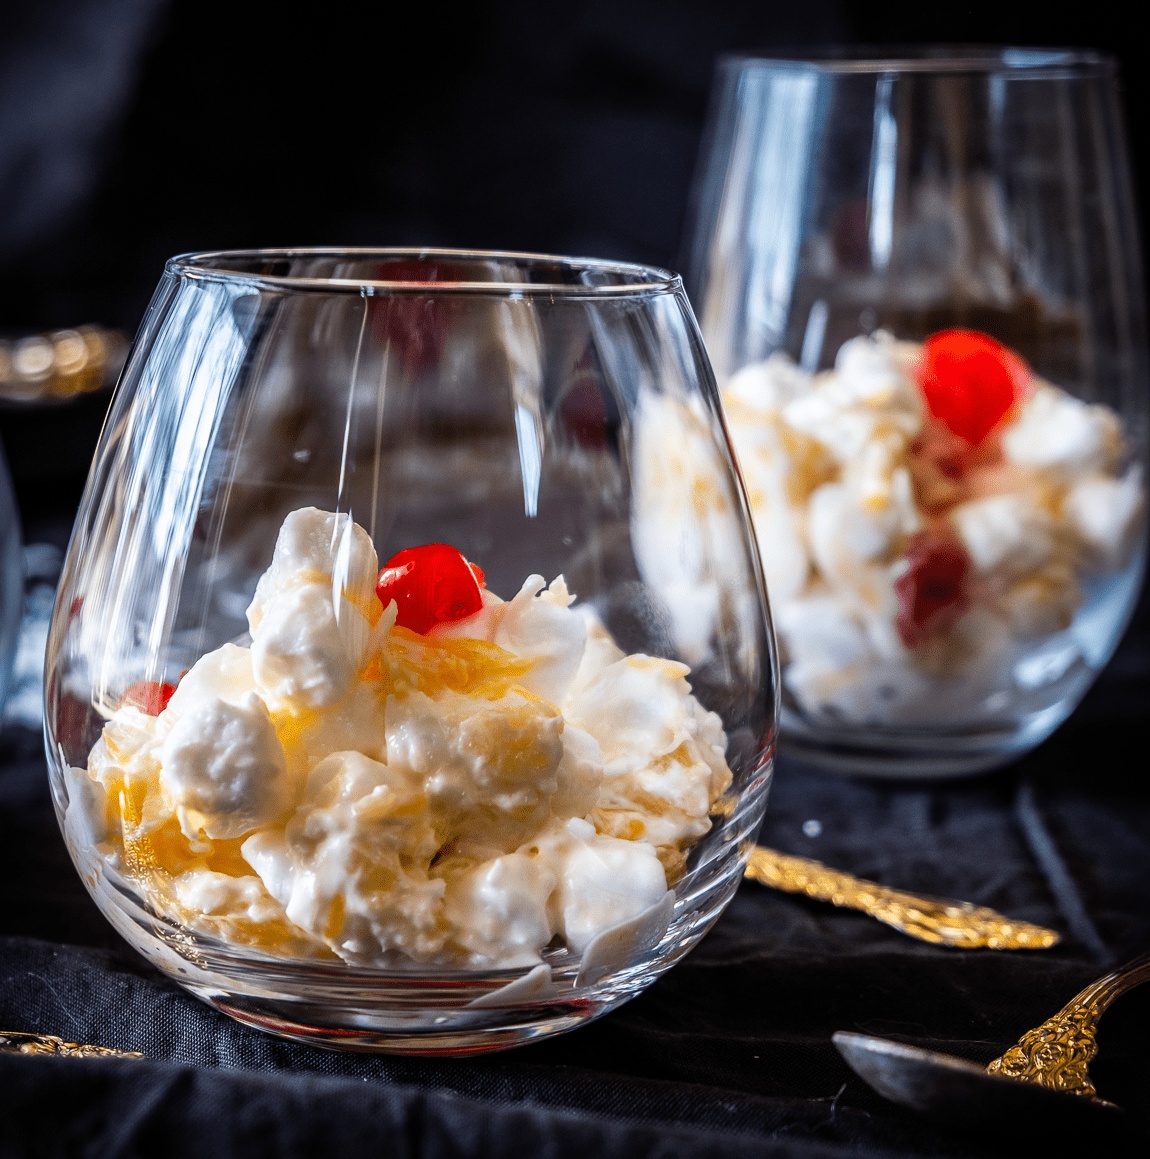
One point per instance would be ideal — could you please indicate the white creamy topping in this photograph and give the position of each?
(845, 537)
(1105, 511)
(1058, 432)
(225, 674)
(780, 524)
(770, 385)
(602, 881)
(307, 618)
(461, 798)
(543, 631)
(500, 908)
(221, 895)
(868, 396)
(1012, 532)
(223, 767)
(846, 468)
(686, 526)
(300, 652)
(489, 768)
(318, 546)
(349, 865)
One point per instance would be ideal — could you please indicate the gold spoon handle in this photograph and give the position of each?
(932, 919)
(1058, 1053)
(19, 1042)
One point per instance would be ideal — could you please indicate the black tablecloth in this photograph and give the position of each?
(728, 1054)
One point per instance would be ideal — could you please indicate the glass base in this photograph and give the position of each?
(340, 1008)
(420, 1010)
(918, 754)
(439, 1031)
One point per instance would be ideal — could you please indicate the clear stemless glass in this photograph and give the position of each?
(351, 826)
(919, 283)
(11, 580)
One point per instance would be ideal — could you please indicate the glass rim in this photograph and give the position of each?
(1014, 60)
(651, 279)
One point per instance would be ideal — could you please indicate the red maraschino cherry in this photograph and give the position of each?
(432, 584)
(970, 381)
(932, 592)
(150, 696)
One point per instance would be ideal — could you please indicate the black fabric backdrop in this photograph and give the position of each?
(134, 129)
(728, 1054)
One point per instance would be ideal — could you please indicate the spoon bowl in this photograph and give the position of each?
(963, 1094)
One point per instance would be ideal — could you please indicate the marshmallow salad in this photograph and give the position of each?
(945, 536)
(400, 770)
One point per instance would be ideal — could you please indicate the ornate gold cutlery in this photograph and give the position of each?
(17, 1042)
(1057, 1053)
(1025, 1091)
(937, 920)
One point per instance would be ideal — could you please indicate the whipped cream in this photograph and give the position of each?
(343, 787)
(848, 475)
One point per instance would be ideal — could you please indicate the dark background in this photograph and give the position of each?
(132, 130)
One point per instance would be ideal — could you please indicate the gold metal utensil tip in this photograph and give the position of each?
(17, 1042)
(940, 921)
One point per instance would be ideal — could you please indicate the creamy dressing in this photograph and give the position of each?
(345, 787)
(845, 468)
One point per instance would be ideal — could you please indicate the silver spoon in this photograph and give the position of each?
(963, 1095)
(1040, 1084)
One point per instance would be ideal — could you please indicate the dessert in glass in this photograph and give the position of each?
(398, 697)
(918, 281)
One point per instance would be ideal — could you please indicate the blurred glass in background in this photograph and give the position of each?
(11, 579)
(949, 568)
